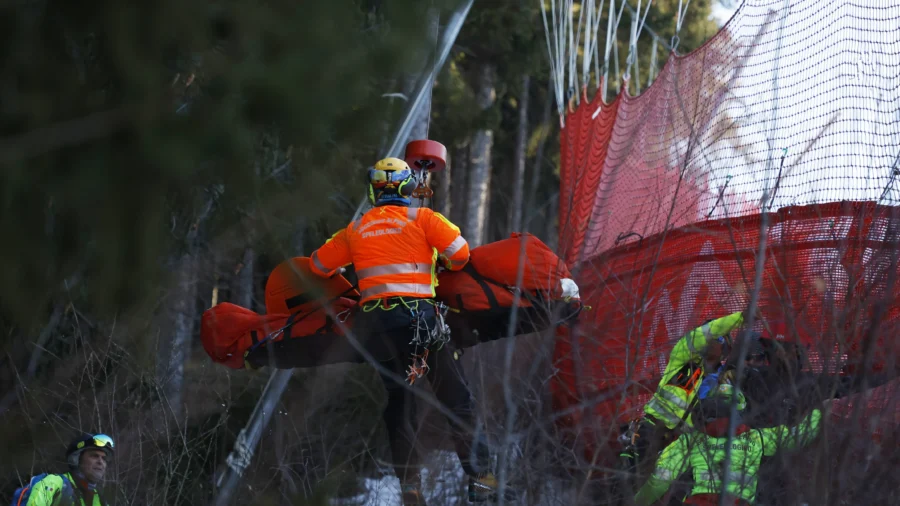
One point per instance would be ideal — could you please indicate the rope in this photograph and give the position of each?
(616, 66)
(649, 30)
(632, 45)
(552, 54)
(615, 47)
(609, 43)
(654, 60)
(679, 20)
(637, 27)
(681, 12)
(596, 55)
(564, 37)
(588, 42)
(573, 76)
(573, 53)
(644, 19)
(591, 51)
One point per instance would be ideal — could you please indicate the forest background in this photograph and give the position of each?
(160, 158)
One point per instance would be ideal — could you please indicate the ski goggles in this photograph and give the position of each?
(379, 178)
(100, 441)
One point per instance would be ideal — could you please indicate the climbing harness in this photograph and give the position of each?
(435, 336)
(426, 338)
(418, 368)
(424, 157)
(421, 191)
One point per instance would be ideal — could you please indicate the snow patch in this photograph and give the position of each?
(443, 479)
(377, 492)
(443, 482)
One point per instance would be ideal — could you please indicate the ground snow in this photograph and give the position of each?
(443, 482)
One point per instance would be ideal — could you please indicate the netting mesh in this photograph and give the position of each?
(661, 201)
(815, 86)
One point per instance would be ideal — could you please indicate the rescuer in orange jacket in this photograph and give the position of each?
(394, 249)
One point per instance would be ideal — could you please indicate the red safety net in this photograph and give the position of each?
(660, 205)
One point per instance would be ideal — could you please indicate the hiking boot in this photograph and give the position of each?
(411, 495)
(484, 487)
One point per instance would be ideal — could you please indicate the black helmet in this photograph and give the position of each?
(756, 348)
(89, 442)
(718, 403)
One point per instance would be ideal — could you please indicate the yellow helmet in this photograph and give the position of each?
(390, 182)
(394, 164)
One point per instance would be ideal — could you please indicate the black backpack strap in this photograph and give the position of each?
(483, 282)
(536, 298)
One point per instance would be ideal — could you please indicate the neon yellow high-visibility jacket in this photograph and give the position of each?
(703, 452)
(675, 394)
(49, 492)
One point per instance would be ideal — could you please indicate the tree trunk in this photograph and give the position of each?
(515, 219)
(242, 283)
(180, 312)
(480, 162)
(539, 155)
(458, 185)
(177, 323)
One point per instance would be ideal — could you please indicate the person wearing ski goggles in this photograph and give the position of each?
(88, 457)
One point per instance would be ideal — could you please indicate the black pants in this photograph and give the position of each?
(387, 335)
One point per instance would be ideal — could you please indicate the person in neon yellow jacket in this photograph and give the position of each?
(88, 457)
(703, 453)
(696, 354)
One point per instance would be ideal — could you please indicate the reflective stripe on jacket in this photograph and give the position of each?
(394, 250)
(670, 402)
(49, 492)
(704, 454)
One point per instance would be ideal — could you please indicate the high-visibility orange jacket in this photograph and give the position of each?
(394, 250)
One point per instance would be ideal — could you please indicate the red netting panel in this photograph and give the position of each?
(801, 102)
(584, 142)
(827, 274)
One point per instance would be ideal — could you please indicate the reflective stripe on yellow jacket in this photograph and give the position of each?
(394, 250)
(704, 455)
(49, 492)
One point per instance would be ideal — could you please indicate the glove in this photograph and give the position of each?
(727, 377)
(569, 289)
